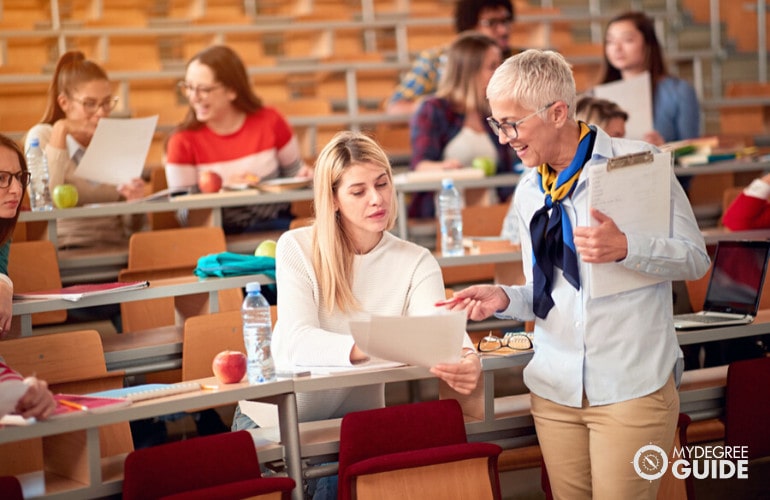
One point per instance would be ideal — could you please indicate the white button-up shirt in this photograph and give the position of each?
(618, 347)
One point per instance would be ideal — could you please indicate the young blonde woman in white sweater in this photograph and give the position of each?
(346, 266)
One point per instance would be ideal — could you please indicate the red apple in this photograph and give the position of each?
(209, 182)
(229, 366)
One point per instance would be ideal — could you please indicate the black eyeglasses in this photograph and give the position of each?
(511, 340)
(510, 129)
(22, 177)
(495, 22)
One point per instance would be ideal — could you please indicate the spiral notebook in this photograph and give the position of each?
(735, 286)
(149, 391)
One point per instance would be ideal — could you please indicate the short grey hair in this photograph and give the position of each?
(533, 79)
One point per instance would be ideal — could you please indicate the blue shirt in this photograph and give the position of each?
(618, 347)
(676, 113)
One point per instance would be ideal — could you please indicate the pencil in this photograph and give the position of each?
(73, 404)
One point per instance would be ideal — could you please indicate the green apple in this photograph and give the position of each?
(485, 164)
(65, 196)
(266, 249)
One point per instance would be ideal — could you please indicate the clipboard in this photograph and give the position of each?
(635, 191)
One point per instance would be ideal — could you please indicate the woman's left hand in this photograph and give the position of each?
(305, 171)
(134, 190)
(463, 376)
(6, 307)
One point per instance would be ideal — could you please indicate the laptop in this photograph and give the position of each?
(734, 288)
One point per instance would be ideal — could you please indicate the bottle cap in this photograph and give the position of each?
(447, 183)
(34, 142)
(254, 286)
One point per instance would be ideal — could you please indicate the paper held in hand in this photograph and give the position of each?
(118, 150)
(415, 340)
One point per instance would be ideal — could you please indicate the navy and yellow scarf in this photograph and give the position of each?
(552, 240)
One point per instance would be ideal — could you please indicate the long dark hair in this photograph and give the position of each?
(72, 69)
(654, 61)
(8, 225)
(228, 70)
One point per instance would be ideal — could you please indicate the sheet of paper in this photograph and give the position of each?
(634, 95)
(414, 340)
(9, 396)
(118, 150)
(638, 199)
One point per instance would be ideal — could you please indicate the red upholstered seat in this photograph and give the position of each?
(10, 488)
(417, 450)
(747, 406)
(220, 466)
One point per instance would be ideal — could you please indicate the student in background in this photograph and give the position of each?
(490, 17)
(80, 95)
(751, 209)
(449, 129)
(630, 48)
(228, 130)
(14, 179)
(604, 113)
(604, 372)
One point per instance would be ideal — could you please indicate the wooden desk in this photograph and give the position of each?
(171, 287)
(214, 202)
(77, 437)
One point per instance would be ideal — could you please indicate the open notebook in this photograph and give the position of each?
(734, 288)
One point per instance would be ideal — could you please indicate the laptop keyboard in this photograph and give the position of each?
(700, 318)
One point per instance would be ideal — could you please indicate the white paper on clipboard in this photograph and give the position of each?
(634, 96)
(118, 150)
(635, 191)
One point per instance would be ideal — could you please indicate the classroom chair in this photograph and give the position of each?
(34, 266)
(414, 451)
(10, 488)
(747, 406)
(222, 466)
(169, 253)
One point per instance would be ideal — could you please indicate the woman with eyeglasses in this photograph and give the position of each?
(345, 267)
(604, 371)
(449, 130)
(228, 130)
(80, 94)
(14, 179)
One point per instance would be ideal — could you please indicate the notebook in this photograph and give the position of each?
(734, 288)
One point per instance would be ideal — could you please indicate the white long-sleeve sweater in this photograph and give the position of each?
(395, 278)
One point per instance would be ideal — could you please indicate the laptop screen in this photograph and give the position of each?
(737, 277)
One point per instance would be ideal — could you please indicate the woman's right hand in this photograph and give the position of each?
(82, 130)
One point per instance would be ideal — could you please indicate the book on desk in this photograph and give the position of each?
(74, 293)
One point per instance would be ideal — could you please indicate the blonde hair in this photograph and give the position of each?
(534, 78)
(459, 82)
(333, 251)
(599, 111)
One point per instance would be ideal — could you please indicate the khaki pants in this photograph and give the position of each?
(589, 451)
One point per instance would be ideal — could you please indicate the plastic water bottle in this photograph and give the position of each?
(257, 333)
(450, 218)
(37, 163)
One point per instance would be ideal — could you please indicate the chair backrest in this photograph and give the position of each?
(170, 253)
(393, 429)
(207, 335)
(71, 362)
(197, 464)
(414, 451)
(169, 248)
(34, 266)
(747, 406)
(10, 488)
